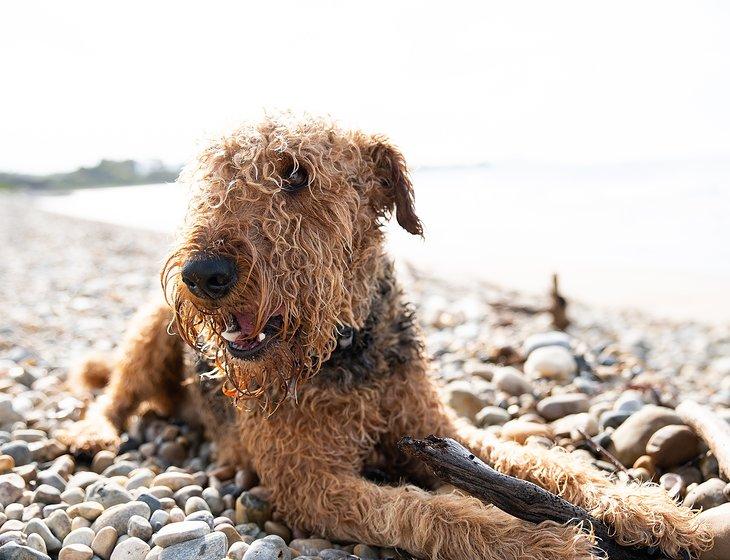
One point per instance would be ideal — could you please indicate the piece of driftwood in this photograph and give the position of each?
(454, 464)
(558, 306)
(713, 430)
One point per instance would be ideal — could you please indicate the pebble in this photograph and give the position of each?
(310, 547)
(102, 460)
(557, 406)
(59, 523)
(159, 519)
(519, 430)
(83, 535)
(104, 542)
(551, 362)
(209, 547)
(36, 542)
(139, 527)
(174, 533)
(75, 552)
(552, 338)
(6, 463)
(707, 495)
(87, 510)
(237, 550)
(613, 418)
(15, 551)
(511, 381)
(271, 547)
(132, 548)
(491, 416)
(46, 494)
(19, 451)
(717, 520)
(463, 400)
(173, 480)
(107, 493)
(365, 552)
(53, 544)
(252, 509)
(118, 516)
(672, 445)
(629, 440)
(11, 488)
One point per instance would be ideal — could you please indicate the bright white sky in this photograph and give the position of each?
(451, 82)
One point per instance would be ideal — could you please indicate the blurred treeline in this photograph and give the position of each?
(106, 173)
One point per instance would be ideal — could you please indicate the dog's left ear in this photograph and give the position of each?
(391, 169)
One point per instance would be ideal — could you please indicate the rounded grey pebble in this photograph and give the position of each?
(204, 515)
(59, 523)
(118, 516)
(75, 552)
(104, 542)
(19, 451)
(271, 547)
(37, 526)
(131, 549)
(139, 527)
(237, 550)
(181, 531)
(210, 547)
(83, 535)
(107, 493)
(196, 503)
(159, 519)
(15, 551)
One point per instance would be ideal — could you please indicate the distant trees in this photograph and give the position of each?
(105, 173)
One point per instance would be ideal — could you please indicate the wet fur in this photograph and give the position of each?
(311, 417)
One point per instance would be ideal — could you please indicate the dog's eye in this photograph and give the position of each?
(297, 179)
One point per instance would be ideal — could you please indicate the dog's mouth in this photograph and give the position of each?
(242, 342)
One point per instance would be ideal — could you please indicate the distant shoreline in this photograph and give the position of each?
(107, 173)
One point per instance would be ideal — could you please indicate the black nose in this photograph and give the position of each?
(209, 276)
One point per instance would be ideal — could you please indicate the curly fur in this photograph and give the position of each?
(317, 416)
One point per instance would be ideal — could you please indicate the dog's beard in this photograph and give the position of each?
(266, 380)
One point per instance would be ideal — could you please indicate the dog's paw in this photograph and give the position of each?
(647, 516)
(87, 437)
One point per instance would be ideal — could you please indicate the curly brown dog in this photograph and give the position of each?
(280, 281)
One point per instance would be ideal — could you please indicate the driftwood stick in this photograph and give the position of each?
(714, 431)
(454, 464)
(558, 306)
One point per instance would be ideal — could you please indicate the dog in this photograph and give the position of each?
(280, 291)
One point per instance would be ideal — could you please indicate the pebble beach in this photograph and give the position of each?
(606, 390)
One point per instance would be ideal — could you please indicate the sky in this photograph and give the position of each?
(563, 82)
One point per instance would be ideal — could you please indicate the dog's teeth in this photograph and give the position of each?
(231, 336)
(261, 336)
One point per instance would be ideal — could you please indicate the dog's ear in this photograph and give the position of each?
(392, 171)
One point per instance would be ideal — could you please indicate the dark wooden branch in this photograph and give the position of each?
(454, 464)
(558, 306)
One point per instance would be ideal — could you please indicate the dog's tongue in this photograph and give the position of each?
(246, 323)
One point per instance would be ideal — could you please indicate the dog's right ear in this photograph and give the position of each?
(392, 171)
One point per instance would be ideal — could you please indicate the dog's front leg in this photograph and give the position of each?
(310, 458)
(448, 527)
(641, 514)
(147, 368)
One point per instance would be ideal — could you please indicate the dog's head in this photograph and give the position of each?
(282, 247)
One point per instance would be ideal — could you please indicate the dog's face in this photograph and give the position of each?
(282, 246)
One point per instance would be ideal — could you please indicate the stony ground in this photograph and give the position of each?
(70, 286)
